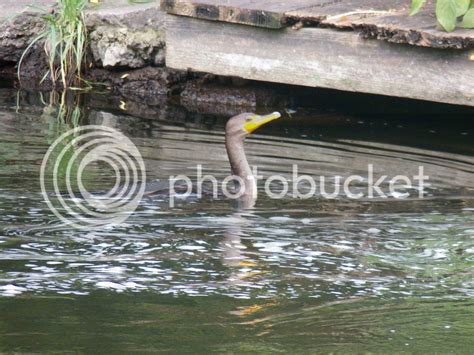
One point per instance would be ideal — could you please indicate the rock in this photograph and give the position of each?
(127, 36)
(16, 34)
(122, 47)
(135, 17)
(121, 36)
(144, 82)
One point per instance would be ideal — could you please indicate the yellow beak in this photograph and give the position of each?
(256, 121)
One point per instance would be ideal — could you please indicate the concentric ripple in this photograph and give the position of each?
(70, 156)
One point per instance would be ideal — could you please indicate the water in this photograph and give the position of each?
(297, 276)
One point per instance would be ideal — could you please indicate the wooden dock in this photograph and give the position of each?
(369, 46)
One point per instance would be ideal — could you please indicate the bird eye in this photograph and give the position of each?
(249, 118)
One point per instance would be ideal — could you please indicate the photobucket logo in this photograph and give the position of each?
(65, 168)
(65, 165)
(305, 186)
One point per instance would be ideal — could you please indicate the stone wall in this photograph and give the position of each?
(126, 48)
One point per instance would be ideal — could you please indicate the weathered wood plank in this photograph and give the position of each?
(225, 10)
(320, 11)
(321, 58)
(420, 30)
(272, 14)
(380, 19)
(393, 23)
(261, 13)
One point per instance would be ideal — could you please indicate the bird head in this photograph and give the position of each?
(246, 123)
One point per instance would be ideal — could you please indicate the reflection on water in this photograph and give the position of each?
(299, 275)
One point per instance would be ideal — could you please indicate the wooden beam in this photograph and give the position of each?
(320, 57)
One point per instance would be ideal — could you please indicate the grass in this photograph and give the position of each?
(65, 41)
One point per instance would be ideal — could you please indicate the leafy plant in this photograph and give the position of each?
(450, 13)
(65, 40)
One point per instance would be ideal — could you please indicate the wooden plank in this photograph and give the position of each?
(346, 9)
(261, 13)
(270, 14)
(420, 30)
(380, 19)
(319, 57)
(227, 10)
(394, 25)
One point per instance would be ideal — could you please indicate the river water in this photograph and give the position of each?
(291, 275)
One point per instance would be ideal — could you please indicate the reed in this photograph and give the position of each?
(65, 41)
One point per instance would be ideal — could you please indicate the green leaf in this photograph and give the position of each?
(462, 6)
(416, 6)
(468, 19)
(446, 13)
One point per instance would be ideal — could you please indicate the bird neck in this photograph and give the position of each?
(237, 157)
(240, 167)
